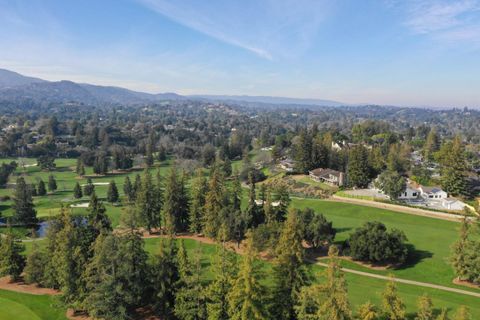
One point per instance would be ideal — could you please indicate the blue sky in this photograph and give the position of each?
(399, 52)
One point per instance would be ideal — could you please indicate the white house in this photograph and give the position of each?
(432, 193)
(410, 193)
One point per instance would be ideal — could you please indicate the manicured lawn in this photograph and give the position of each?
(431, 239)
(22, 306)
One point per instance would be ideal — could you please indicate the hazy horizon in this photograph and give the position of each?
(404, 53)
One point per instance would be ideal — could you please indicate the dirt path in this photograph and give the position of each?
(25, 288)
(398, 208)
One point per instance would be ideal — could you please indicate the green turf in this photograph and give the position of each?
(430, 239)
(22, 306)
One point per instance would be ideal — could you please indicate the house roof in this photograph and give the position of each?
(431, 189)
(320, 172)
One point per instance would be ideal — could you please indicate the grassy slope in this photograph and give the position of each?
(431, 238)
(22, 306)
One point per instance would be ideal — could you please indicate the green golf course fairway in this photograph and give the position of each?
(23, 306)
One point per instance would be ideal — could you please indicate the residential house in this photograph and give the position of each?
(432, 193)
(329, 176)
(410, 193)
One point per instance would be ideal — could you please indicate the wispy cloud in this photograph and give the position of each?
(269, 28)
(453, 21)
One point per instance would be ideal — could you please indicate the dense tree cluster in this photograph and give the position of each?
(373, 243)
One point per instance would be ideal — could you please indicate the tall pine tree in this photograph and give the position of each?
(23, 204)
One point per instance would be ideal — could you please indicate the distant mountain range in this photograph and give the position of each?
(16, 87)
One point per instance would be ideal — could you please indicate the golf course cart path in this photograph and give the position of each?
(411, 282)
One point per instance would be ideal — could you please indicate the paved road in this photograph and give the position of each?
(415, 283)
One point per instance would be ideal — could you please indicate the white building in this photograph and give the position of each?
(453, 204)
(410, 193)
(432, 193)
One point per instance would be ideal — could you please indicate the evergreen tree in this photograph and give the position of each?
(308, 302)
(246, 299)
(224, 267)
(268, 209)
(65, 257)
(214, 203)
(128, 189)
(137, 186)
(165, 277)
(425, 308)
(227, 167)
(116, 276)
(184, 269)
(23, 204)
(236, 194)
(12, 261)
(149, 155)
(162, 153)
(367, 311)
(33, 189)
(77, 191)
(146, 204)
(336, 305)
(432, 145)
(393, 306)
(289, 272)
(197, 209)
(358, 169)
(303, 151)
(80, 168)
(283, 199)
(35, 265)
(461, 260)
(454, 170)
(52, 183)
(41, 191)
(89, 188)
(112, 192)
(254, 216)
(50, 273)
(190, 299)
(97, 217)
(175, 206)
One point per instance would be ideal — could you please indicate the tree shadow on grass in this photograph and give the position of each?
(414, 256)
(340, 230)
